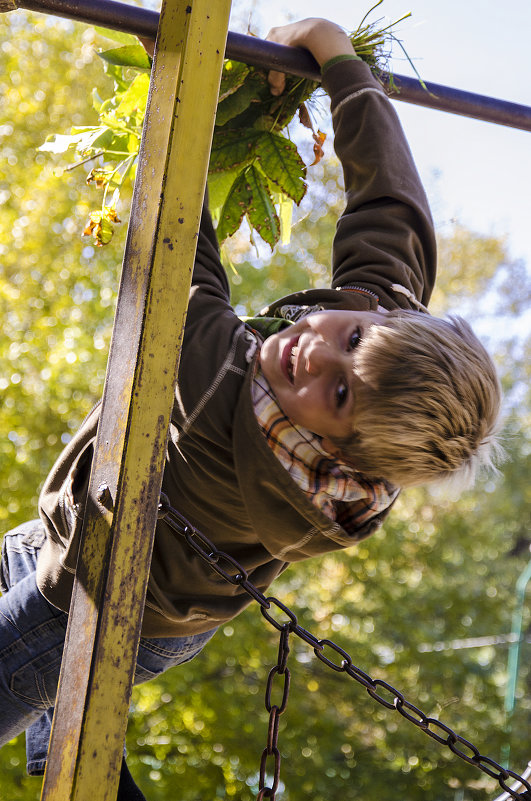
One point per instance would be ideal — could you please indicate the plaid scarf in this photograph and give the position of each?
(341, 493)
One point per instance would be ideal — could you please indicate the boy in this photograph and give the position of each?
(291, 433)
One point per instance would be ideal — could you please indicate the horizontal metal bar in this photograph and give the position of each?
(269, 55)
(465, 104)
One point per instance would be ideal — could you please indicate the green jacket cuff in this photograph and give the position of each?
(337, 59)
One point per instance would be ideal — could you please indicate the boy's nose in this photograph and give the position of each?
(319, 357)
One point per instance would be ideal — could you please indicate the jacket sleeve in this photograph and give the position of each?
(208, 272)
(211, 323)
(385, 235)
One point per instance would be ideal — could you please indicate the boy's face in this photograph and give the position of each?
(309, 367)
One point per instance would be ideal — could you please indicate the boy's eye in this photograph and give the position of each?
(354, 339)
(341, 394)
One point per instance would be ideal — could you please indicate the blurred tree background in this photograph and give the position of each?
(425, 604)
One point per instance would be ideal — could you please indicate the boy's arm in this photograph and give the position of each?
(208, 269)
(385, 236)
(210, 321)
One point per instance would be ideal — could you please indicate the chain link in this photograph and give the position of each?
(338, 660)
(275, 710)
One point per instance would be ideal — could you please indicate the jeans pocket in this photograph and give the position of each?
(20, 549)
(155, 655)
(36, 682)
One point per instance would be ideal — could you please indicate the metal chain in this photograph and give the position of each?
(275, 710)
(333, 657)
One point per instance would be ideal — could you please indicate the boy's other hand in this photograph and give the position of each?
(324, 40)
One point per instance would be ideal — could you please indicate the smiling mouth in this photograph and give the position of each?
(291, 365)
(289, 356)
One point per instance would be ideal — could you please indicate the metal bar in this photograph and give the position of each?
(111, 579)
(457, 101)
(516, 786)
(513, 660)
(518, 638)
(269, 55)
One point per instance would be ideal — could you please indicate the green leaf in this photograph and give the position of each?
(246, 194)
(97, 102)
(105, 232)
(133, 143)
(232, 149)
(116, 73)
(102, 141)
(238, 201)
(101, 225)
(233, 76)
(135, 98)
(82, 140)
(280, 161)
(285, 213)
(128, 56)
(261, 211)
(235, 102)
(260, 101)
(116, 146)
(117, 36)
(219, 185)
(59, 143)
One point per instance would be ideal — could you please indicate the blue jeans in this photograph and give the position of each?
(32, 634)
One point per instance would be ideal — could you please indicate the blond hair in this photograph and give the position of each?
(428, 405)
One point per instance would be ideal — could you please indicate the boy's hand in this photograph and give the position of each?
(324, 40)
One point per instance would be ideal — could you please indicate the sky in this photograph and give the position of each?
(476, 172)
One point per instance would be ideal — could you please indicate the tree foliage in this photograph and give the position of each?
(411, 604)
(56, 292)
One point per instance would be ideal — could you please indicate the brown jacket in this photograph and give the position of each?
(220, 473)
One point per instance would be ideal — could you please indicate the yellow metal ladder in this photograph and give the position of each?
(90, 719)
